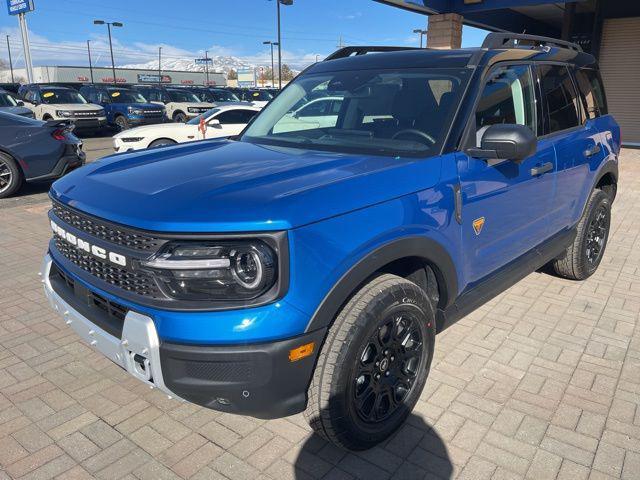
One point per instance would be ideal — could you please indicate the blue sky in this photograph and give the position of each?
(60, 28)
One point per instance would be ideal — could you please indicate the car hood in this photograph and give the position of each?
(154, 129)
(22, 111)
(142, 106)
(195, 104)
(225, 186)
(76, 107)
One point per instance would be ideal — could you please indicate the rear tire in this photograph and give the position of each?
(583, 256)
(373, 365)
(10, 176)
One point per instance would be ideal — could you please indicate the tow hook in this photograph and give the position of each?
(141, 366)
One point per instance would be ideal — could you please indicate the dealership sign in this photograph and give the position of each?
(151, 78)
(203, 61)
(19, 6)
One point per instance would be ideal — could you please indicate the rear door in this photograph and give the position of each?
(575, 139)
(505, 204)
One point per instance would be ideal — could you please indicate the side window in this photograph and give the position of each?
(235, 117)
(315, 109)
(563, 109)
(590, 86)
(508, 97)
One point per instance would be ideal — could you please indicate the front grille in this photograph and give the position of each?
(139, 283)
(153, 113)
(87, 114)
(107, 231)
(111, 318)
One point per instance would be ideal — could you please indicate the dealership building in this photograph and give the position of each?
(63, 74)
(609, 29)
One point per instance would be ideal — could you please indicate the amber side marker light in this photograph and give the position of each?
(301, 352)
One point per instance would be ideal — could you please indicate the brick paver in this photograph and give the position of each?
(541, 383)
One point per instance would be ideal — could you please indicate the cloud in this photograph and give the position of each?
(350, 16)
(47, 52)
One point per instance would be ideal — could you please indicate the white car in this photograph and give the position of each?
(318, 113)
(218, 122)
(61, 103)
(180, 104)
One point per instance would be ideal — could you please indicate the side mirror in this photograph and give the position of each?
(20, 103)
(214, 122)
(506, 142)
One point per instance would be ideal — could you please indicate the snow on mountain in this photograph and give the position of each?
(218, 64)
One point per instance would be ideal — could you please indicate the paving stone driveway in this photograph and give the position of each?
(542, 383)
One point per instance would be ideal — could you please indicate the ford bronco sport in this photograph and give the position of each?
(310, 269)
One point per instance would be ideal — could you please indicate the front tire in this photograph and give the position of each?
(10, 176)
(122, 123)
(583, 256)
(373, 364)
(161, 142)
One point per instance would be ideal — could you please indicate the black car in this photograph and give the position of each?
(33, 150)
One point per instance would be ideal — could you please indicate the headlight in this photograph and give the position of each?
(131, 139)
(211, 271)
(64, 113)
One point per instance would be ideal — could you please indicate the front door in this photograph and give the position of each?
(505, 204)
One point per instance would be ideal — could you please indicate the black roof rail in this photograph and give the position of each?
(362, 50)
(514, 40)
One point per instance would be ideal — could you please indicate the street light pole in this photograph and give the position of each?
(109, 24)
(206, 66)
(159, 66)
(284, 2)
(90, 64)
(273, 74)
(421, 32)
(11, 61)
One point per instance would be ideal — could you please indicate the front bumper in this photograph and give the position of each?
(138, 121)
(257, 380)
(89, 123)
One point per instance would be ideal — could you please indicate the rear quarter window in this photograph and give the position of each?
(592, 92)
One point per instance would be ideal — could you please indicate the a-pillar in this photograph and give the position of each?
(444, 31)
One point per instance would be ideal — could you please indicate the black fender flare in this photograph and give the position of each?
(423, 247)
(610, 166)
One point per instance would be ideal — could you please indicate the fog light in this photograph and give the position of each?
(301, 352)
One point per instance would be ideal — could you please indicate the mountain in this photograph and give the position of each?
(218, 64)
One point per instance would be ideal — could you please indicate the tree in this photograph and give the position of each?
(232, 75)
(287, 73)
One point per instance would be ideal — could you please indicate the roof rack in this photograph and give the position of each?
(363, 50)
(515, 40)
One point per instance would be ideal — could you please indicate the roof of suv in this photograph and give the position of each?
(496, 47)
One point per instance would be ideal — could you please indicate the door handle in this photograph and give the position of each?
(544, 168)
(591, 151)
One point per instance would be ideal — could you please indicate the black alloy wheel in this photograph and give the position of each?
(387, 368)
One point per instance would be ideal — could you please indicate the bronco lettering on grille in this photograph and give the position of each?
(94, 250)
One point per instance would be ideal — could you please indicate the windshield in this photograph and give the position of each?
(205, 115)
(182, 96)
(7, 100)
(126, 96)
(259, 96)
(55, 96)
(224, 96)
(385, 112)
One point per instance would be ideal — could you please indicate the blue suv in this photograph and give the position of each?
(124, 107)
(308, 264)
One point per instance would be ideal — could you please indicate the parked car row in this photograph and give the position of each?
(92, 107)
